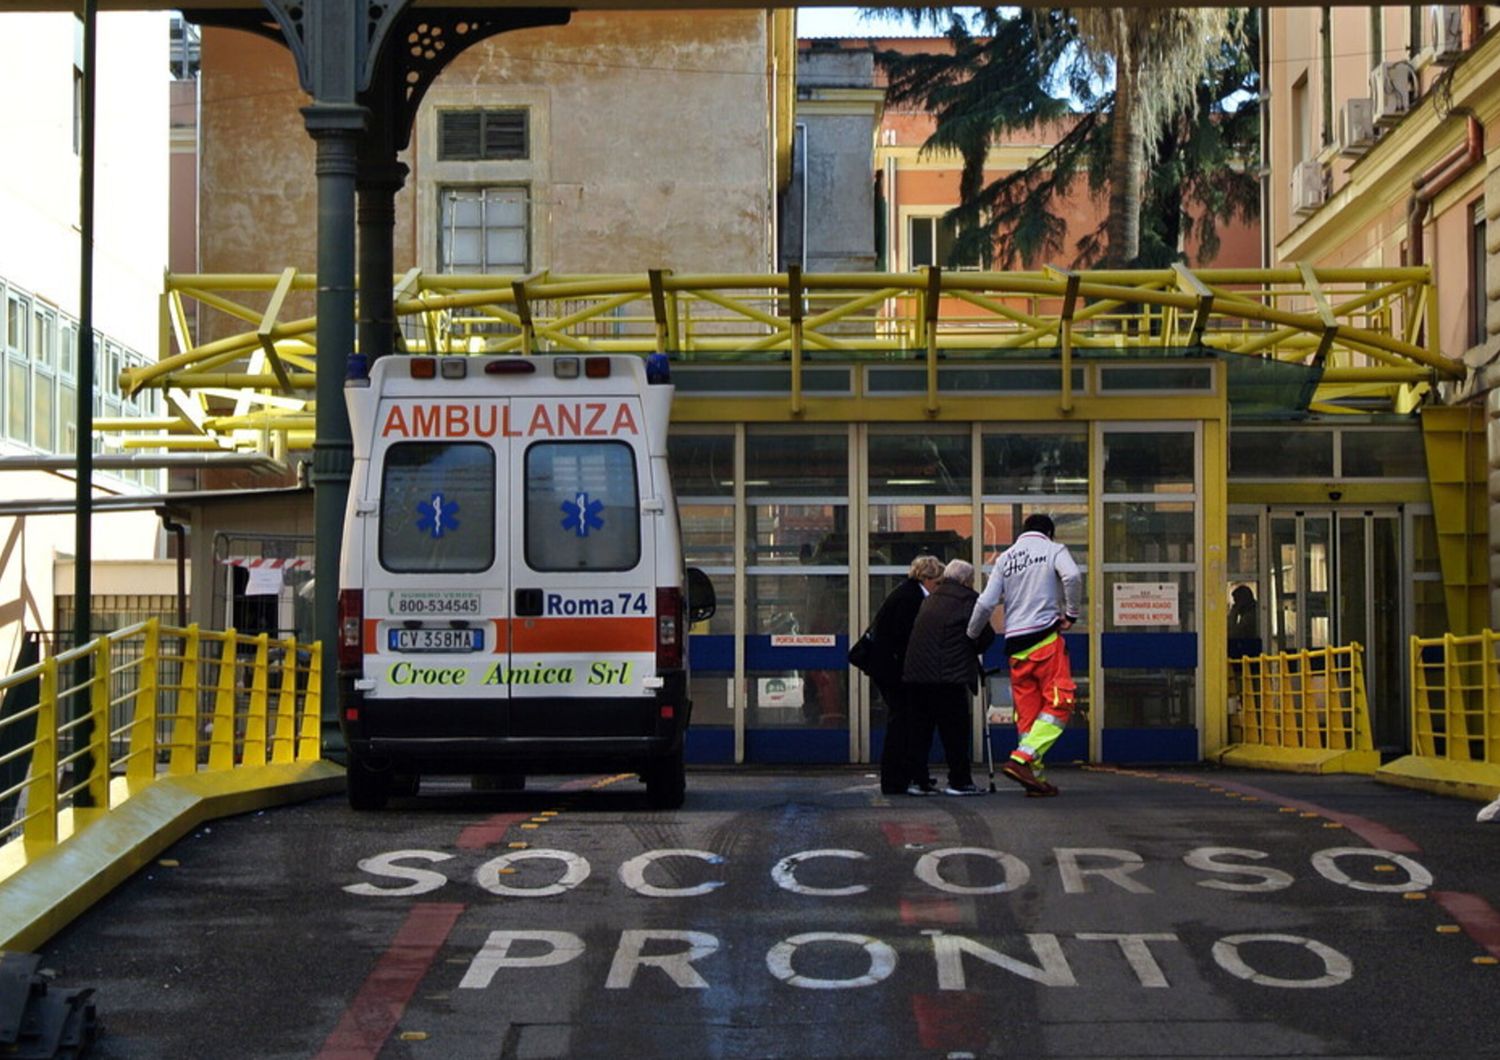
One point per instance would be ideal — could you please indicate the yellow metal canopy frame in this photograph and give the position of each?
(238, 367)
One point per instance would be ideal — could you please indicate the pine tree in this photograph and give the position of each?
(1181, 150)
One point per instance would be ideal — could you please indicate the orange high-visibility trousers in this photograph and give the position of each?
(1042, 688)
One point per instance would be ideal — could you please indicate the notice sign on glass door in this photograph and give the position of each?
(1146, 604)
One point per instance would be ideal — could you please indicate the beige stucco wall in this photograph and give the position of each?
(651, 136)
(1365, 219)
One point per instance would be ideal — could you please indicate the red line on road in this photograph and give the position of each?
(952, 1020)
(1372, 832)
(489, 832)
(921, 912)
(1476, 916)
(381, 1001)
(899, 834)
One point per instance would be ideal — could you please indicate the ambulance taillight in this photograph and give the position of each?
(351, 629)
(669, 631)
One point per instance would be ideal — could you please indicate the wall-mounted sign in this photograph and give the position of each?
(803, 640)
(779, 692)
(1146, 604)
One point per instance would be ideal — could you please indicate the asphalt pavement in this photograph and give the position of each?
(800, 913)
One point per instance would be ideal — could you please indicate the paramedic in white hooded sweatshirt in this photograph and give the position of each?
(1041, 589)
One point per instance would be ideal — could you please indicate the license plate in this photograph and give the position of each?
(437, 640)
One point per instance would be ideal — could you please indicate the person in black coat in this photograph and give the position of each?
(901, 763)
(942, 672)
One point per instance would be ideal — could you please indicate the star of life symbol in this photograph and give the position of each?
(581, 515)
(437, 516)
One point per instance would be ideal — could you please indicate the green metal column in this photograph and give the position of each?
(336, 128)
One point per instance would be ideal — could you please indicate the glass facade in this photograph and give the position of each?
(813, 528)
(38, 381)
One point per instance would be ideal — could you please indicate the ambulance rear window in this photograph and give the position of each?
(437, 507)
(582, 507)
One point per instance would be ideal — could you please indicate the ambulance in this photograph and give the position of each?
(512, 597)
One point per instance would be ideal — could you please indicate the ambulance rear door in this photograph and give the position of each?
(583, 565)
(437, 592)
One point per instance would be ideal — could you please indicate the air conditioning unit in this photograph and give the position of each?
(1393, 88)
(1356, 127)
(1307, 186)
(1446, 32)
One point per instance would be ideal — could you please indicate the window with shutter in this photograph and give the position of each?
(482, 135)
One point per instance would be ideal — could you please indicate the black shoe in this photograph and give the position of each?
(921, 789)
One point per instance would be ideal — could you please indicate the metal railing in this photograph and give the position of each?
(149, 701)
(1306, 700)
(1455, 698)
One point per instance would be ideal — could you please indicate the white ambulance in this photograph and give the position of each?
(512, 598)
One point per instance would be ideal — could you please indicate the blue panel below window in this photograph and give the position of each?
(1078, 654)
(759, 655)
(1149, 651)
(711, 651)
(805, 746)
(1071, 746)
(1148, 746)
(709, 744)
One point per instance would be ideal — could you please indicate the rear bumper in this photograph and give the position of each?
(543, 735)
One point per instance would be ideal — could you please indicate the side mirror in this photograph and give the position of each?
(701, 600)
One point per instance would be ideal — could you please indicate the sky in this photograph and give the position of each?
(846, 22)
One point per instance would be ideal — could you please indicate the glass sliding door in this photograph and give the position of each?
(796, 595)
(920, 489)
(1029, 470)
(1149, 555)
(1335, 578)
(703, 476)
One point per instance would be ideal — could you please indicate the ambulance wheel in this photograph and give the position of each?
(368, 789)
(666, 783)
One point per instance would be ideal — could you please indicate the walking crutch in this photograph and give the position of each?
(984, 705)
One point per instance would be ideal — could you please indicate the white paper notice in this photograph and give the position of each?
(1146, 604)
(264, 581)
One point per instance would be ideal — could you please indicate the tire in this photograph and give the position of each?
(666, 783)
(368, 789)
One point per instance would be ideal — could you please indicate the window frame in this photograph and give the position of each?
(445, 230)
(935, 244)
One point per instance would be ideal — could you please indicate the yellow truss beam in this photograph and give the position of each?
(248, 376)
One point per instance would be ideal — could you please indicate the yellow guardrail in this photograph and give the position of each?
(148, 702)
(1455, 717)
(1303, 711)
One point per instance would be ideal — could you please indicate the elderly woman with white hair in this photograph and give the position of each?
(942, 672)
